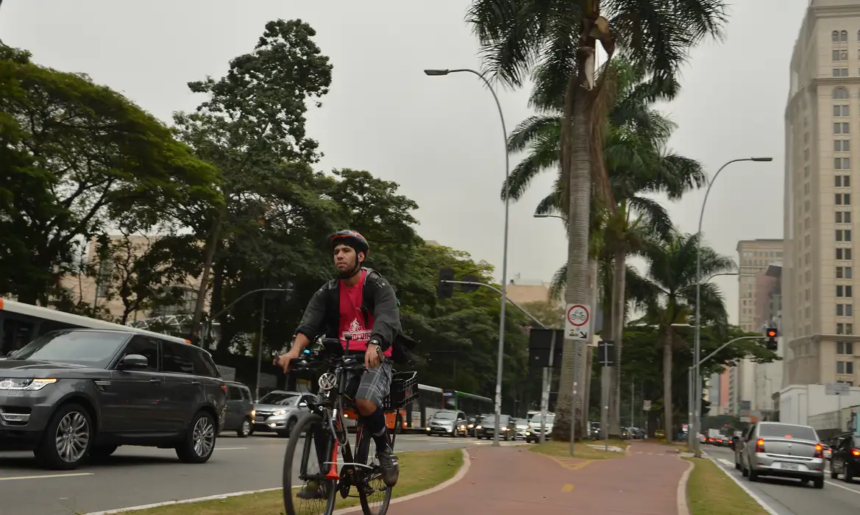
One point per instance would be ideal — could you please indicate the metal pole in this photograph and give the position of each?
(573, 417)
(260, 349)
(690, 403)
(605, 378)
(632, 401)
(697, 349)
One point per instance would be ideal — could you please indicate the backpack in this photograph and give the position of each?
(402, 345)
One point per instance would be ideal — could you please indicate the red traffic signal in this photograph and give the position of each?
(771, 338)
(771, 333)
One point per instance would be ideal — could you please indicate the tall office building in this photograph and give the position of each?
(822, 121)
(754, 257)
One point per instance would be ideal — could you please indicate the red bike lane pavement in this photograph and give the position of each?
(515, 480)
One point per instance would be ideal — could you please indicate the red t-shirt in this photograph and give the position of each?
(351, 318)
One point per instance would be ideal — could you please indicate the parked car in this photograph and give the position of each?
(846, 458)
(487, 427)
(534, 430)
(782, 450)
(278, 411)
(240, 410)
(100, 389)
(448, 422)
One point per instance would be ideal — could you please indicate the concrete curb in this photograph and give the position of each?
(683, 507)
(457, 477)
(464, 469)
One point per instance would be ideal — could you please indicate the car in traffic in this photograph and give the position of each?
(522, 427)
(449, 423)
(846, 458)
(75, 393)
(486, 428)
(782, 450)
(534, 430)
(240, 410)
(279, 411)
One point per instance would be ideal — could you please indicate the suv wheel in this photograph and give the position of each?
(199, 441)
(67, 439)
(245, 429)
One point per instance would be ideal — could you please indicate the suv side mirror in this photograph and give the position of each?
(303, 404)
(133, 362)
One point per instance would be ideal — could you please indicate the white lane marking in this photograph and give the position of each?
(51, 476)
(230, 448)
(749, 492)
(831, 483)
(726, 462)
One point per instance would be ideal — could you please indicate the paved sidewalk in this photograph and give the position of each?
(512, 480)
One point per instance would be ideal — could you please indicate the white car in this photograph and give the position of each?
(533, 431)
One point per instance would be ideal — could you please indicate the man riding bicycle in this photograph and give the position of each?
(360, 306)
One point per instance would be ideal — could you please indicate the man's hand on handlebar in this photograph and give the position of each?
(283, 360)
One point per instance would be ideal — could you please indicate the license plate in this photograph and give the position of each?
(789, 466)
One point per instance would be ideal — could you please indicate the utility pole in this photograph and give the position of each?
(606, 362)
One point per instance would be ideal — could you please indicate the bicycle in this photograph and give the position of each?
(322, 432)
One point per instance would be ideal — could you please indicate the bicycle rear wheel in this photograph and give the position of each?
(305, 468)
(374, 494)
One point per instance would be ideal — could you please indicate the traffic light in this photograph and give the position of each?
(445, 290)
(771, 338)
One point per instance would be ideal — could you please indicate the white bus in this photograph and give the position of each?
(22, 323)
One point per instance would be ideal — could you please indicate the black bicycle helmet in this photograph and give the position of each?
(352, 239)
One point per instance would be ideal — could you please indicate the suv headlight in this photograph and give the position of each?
(278, 413)
(25, 384)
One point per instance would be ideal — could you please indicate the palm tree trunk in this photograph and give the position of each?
(576, 167)
(619, 301)
(667, 383)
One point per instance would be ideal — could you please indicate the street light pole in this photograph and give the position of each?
(500, 364)
(697, 349)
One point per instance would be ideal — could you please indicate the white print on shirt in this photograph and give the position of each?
(356, 332)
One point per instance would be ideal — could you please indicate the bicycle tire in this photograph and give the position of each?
(308, 451)
(363, 449)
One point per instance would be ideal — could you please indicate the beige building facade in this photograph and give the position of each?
(822, 123)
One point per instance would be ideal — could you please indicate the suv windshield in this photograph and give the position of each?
(491, 420)
(90, 348)
(283, 399)
(787, 431)
(548, 420)
(445, 415)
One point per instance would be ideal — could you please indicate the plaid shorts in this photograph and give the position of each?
(375, 384)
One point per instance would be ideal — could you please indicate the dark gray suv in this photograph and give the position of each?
(76, 393)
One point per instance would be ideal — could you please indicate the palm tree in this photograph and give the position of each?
(555, 41)
(637, 163)
(671, 285)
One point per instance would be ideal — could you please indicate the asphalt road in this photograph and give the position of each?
(136, 476)
(789, 497)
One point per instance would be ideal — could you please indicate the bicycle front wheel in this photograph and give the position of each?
(373, 493)
(306, 489)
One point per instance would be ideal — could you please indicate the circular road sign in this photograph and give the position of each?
(577, 315)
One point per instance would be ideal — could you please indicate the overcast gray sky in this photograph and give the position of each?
(439, 137)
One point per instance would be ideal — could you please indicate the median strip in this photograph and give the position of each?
(419, 471)
(711, 491)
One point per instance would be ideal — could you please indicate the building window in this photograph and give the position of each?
(843, 217)
(840, 72)
(843, 234)
(842, 181)
(841, 128)
(845, 348)
(841, 145)
(842, 163)
(840, 93)
(844, 310)
(843, 35)
(844, 272)
(840, 110)
(840, 328)
(845, 367)
(834, 36)
(843, 254)
(843, 199)
(844, 291)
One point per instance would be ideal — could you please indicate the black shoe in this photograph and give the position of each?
(312, 490)
(390, 467)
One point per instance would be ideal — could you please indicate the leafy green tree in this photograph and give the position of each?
(555, 41)
(74, 154)
(250, 127)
